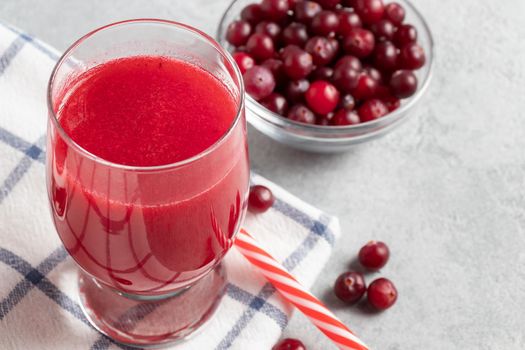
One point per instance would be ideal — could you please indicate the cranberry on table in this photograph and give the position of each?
(386, 56)
(382, 293)
(350, 287)
(321, 50)
(405, 34)
(276, 103)
(272, 29)
(345, 77)
(371, 110)
(260, 199)
(297, 63)
(259, 82)
(252, 13)
(347, 21)
(305, 11)
(412, 56)
(345, 117)
(322, 97)
(300, 113)
(348, 102)
(289, 344)
(244, 61)
(296, 89)
(366, 87)
(295, 34)
(276, 67)
(359, 42)
(238, 32)
(370, 11)
(322, 73)
(403, 83)
(395, 13)
(324, 23)
(374, 255)
(275, 9)
(383, 30)
(260, 46)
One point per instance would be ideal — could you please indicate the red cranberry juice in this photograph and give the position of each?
(148, 231)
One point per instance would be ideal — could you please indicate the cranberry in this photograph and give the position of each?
(385, 56)
(345, 77)
(412, 56)
(370, 11)
(324, 23)
(305, 11)
(329, 4)
(382, 294)
(345, 117)
(321, 50)
(322, 73)
(359, 42)
(374, 255)
(366, 87)
(276, 67)
(335, 44)
(405, 34)
(244, 61)
(272, 29)
(347, 21)
(260, 46)
(238, 32)
(297, 63)
(275, 103)
(391, 102)
(403, 83)
(383, 30)
(300, 113)
(275, 9)
(289, 344)
(296, 89)
(322, 97)
(371, 110)
(348, 102)
(395, 13)
(351, 61)
(373, 73)
(259, 82)
(350, 286)
(260, 199)
(295, 34)
(252, 13)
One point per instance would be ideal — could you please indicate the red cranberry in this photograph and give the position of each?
(405, 34)
(366, 87)
(260, 199)
(335, 45)
(276, 103)
(272, 29)
(295, 34)
(382, 293)
(371, 110)
(345, 77)
(275, 9)
(259, 82)
(373, 73)
(260, 46)
(385, 56)
(300, 113)
(395, 13)
(297, 63)
(329, 4)
(403, 83)
(305, 11)
(322, 73)
(374, 255)
(391, 102)
(347, 21)
(289, 344)
(359, 42)
(244, 61)
(324, 23)
(345, 117)
(238, 32)
(383, 30)
(350, 286)
(370, 11)
(348, 102)
(322, 97)
(321, 50)
(252, 13)
(350, 61)
(296, 89)
(412, 56)
(276, 67)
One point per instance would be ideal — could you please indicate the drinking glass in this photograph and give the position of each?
(148, 240)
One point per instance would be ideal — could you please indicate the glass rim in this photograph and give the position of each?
(210, 40)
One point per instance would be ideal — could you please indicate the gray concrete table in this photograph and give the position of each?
(446, 190)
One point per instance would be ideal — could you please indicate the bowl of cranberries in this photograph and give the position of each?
(324, 75)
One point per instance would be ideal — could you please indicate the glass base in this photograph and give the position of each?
(151, 321)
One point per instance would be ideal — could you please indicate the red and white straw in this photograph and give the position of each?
(296, 294)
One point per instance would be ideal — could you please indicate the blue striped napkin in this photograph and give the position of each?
(38, 302)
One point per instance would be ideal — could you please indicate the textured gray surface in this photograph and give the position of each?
(446, 190)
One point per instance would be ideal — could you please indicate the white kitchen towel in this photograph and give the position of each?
(39, 307)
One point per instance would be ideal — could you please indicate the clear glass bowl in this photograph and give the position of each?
(316, 138)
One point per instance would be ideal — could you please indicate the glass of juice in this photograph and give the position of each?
(147, 175)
